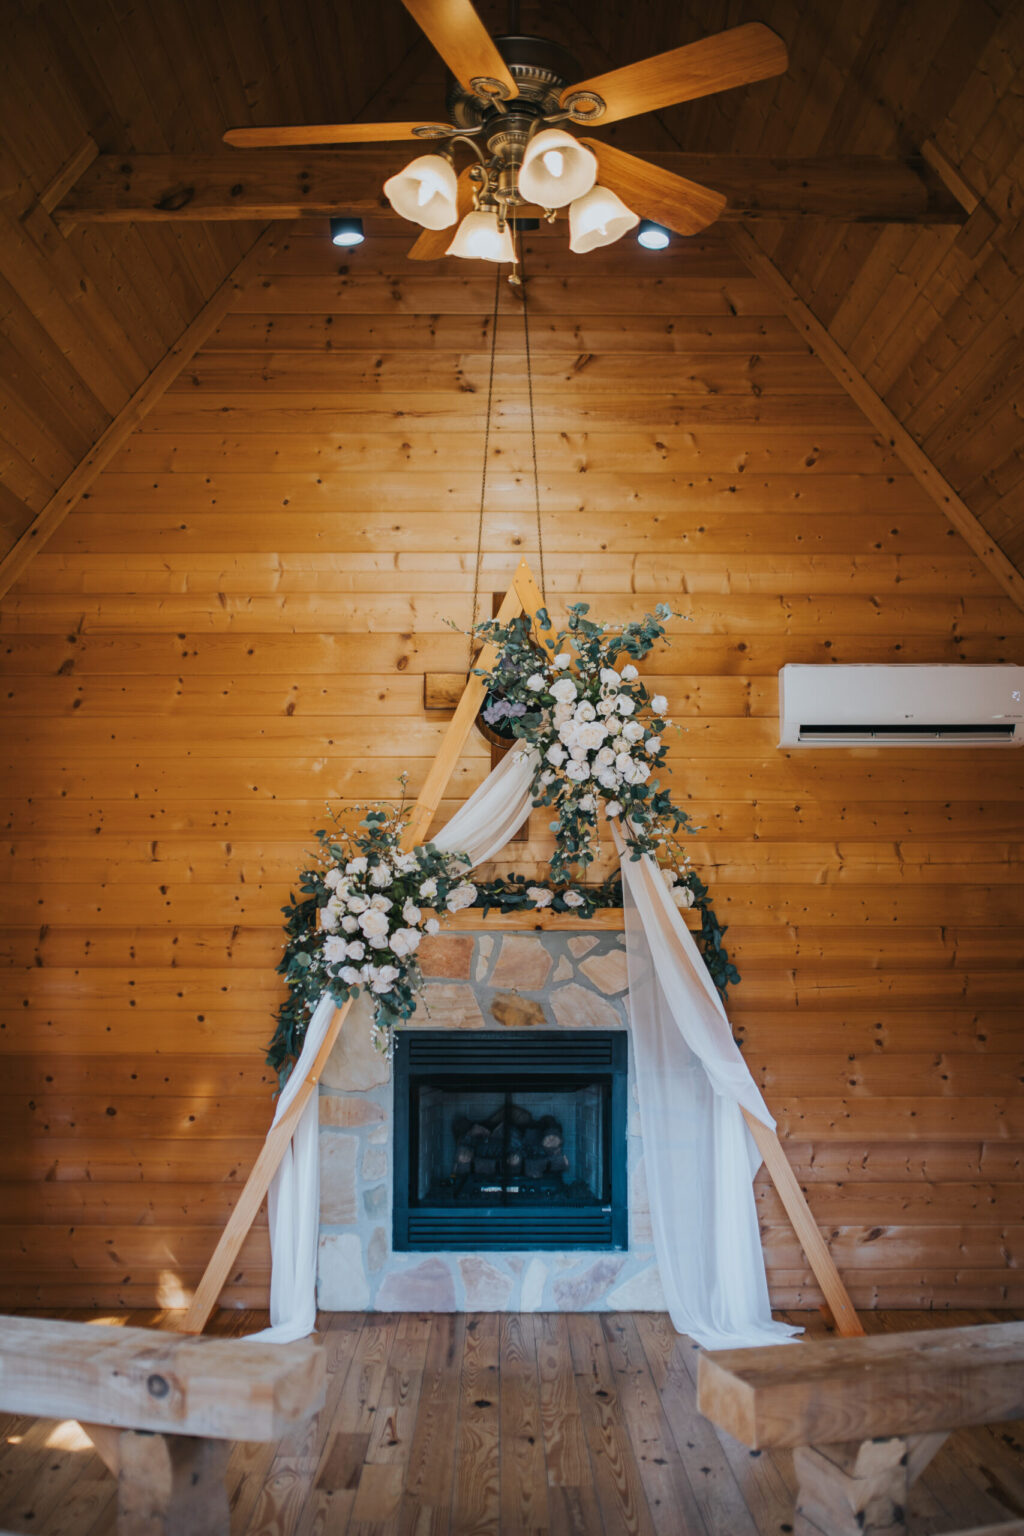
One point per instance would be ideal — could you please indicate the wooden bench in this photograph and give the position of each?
(865, 1416)
(160, 1409)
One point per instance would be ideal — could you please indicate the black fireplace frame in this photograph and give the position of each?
(443, 1057)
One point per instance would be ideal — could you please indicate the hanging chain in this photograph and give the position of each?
(483, 472)
(533, 429)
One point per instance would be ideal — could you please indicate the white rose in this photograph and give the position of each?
(411, 912)
(539, 896)
(653, 744)
(561, 713)
(624, 704)
(632, 730)
(378, 941)
(328, 918)
(410, 938)
(535, 683)
(555, 755)
(351, 975)
(356, 950)
(385, 978)
(668, 874)
(564, 691)
(629, 672)
(605, 756)
(624, 763)
(373, 923)
(585, 710)
(463, 895)
(591, 735)
(641, 772)
(609, 676)
(432, 925)
(569, 732)
(407, 863)
(358, 903)
(335, 950)
(349, 923)
(356, 866)
(608, 778)
(331, 879)
(605, 706)
(562, 660)
(547, 777)
(399, 945)
(659, 703)
(683, 896)
(587, 803)
(573, 899)
(429, 888)
(612, 808)
(614, 725)
(577, 771)
(368, 971)
(381, 903)
(381, 876)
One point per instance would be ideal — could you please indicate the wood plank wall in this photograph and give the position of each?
(932, 318)
(234, 627)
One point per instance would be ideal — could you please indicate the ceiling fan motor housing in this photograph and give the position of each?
(541, 71)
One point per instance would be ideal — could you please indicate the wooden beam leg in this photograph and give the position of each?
(256, 1186)
(858, 1489)
(805, 1227)
(172, 1485)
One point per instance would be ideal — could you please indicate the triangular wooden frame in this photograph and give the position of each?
(523, 596)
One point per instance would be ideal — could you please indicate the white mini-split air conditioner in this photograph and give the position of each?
(901, 706)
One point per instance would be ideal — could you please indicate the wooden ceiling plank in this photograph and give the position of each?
(878, 413)
(128, 418)
(313, 183)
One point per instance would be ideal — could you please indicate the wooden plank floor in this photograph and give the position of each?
(489, 1424)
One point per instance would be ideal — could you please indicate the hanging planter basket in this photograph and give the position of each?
(498, 729)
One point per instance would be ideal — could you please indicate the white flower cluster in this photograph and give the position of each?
(680, 892)
(367, 930)
(601, 741)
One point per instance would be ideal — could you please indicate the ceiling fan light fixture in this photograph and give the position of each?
(556, 169)
(653, 237)
(425, 192)
(599, 218)
(347, 231)
(479, 238)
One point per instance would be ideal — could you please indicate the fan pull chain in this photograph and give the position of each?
(533, 428)
(483, 471)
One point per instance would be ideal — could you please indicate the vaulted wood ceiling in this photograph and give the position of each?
(930, 316)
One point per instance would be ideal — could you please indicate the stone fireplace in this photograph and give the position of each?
(497, 1164)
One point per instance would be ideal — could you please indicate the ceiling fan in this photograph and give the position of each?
(506, 98)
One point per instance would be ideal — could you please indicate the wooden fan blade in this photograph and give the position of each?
(736, 57)
(463, 41)
(328, 133)
(668, 199)
(433, 243)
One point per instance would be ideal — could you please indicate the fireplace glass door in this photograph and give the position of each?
(510, 1140)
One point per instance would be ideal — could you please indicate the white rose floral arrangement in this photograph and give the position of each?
(600, 738)
(366, 907)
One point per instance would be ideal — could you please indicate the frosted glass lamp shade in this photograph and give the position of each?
(599, 218)
(425, 192)
(555, 169)
(479, 238)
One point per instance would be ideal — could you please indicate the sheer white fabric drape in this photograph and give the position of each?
(692, 1081)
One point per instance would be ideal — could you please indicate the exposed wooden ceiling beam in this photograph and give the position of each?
(881, 417)
(290, 184)
(67, 497)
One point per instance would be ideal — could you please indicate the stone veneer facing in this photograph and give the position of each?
(475, 981)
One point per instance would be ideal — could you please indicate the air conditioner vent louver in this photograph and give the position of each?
(901, 706)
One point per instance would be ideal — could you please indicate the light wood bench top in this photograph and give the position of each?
(858, 1389)
(226, 1389)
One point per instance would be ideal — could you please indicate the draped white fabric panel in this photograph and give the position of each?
(692, 1081)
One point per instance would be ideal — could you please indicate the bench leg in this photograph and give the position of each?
(859, 1488)
(171, 1485)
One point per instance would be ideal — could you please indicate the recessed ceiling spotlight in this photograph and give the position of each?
(347, 231)
(654, 237)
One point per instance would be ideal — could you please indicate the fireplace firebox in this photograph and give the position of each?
(508, 1140)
